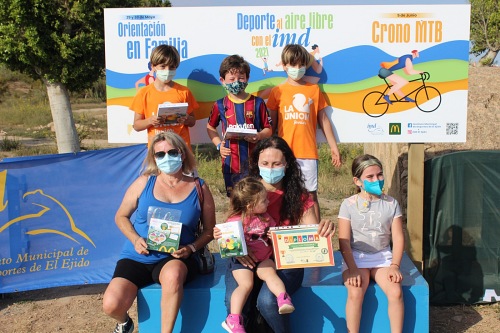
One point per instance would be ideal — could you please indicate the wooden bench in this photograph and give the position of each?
(320, 303)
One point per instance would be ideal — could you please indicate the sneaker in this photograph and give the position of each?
(387, 99)
(126, 327)
(234, 324)
(408, 99)
(285, 304)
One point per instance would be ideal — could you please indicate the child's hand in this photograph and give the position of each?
(154, 120)
(224, 152)
(354, 278)
(336, 159)
(326, 228)
(394, 274)
(217, 233)
(251, 139)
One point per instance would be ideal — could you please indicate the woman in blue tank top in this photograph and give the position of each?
(165, 185)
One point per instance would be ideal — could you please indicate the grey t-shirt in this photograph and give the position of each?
(370, 226)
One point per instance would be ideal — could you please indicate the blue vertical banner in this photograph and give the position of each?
(57, 217)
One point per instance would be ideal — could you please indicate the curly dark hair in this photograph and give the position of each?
(294, 192)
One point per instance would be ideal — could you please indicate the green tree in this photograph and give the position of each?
(60, 42)
(485, 29)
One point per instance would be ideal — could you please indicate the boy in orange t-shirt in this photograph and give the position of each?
(164, 61)
(296, 108)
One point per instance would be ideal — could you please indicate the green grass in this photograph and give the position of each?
(25, 111)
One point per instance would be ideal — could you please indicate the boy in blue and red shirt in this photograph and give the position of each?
(237, 109)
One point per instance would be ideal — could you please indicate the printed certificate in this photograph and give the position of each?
(301, 247)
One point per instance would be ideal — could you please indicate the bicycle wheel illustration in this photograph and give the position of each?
(428, 99)
(374, 104)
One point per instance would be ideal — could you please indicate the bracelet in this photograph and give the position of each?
(192, 247)
(395, 265)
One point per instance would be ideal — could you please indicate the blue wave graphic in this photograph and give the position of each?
(342, 67)
(362, 62)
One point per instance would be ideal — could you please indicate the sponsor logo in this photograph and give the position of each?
(394, 128)
(374, 129)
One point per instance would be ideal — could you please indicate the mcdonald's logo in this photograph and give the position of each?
(394, 128)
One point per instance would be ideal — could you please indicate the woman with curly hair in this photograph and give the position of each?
(274, 163)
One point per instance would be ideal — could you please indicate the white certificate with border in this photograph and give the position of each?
(301, 247)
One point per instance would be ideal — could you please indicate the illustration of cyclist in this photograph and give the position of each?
(386, 72)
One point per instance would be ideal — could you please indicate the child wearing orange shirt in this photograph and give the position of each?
(164, 61)
(296, 108)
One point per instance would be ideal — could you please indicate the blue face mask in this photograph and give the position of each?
(169, 164)
(374, 187)
(236, 87)
(272, 175)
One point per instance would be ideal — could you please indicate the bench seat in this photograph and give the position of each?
(320, 303)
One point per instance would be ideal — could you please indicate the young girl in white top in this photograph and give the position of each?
(368, 221)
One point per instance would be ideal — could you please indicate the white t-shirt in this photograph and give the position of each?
(371, 225)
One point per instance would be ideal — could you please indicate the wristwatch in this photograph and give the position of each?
(218, 146)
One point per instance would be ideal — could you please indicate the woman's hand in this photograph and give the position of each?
(326, 228)
(182, 253)
(140, 245)
(394, 274)
(217, 233)
(354, 277)
(248, 260)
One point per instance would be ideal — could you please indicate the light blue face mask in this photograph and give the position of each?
(169, 164)
(374, 187)
(272, 175)
(236, 87)
(165, 75)
(296, 73)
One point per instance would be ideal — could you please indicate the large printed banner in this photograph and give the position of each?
(57, 217)
(352, 43)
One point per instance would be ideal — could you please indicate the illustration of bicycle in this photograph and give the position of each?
(427, 98)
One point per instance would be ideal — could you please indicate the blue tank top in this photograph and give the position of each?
(401, 62)
(190, 216)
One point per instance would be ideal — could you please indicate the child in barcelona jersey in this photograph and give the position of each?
(238, 109)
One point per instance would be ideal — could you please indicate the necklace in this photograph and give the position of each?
(365, 206)
(174, 185)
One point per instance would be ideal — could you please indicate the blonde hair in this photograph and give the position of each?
(165, 54)
(360, 163)
(189, 163)
(295, 54)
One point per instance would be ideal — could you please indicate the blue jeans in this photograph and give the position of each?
(265, 300)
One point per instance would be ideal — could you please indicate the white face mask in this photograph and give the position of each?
(165, 75)
(296, 73)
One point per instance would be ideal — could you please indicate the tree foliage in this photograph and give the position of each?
(485, 27)
(60, 42)
(56, 41)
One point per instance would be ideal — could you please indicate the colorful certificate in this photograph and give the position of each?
(301, 247)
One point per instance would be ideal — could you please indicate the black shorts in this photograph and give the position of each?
(145, 274)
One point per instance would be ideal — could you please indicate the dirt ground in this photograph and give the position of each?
(78, 308)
